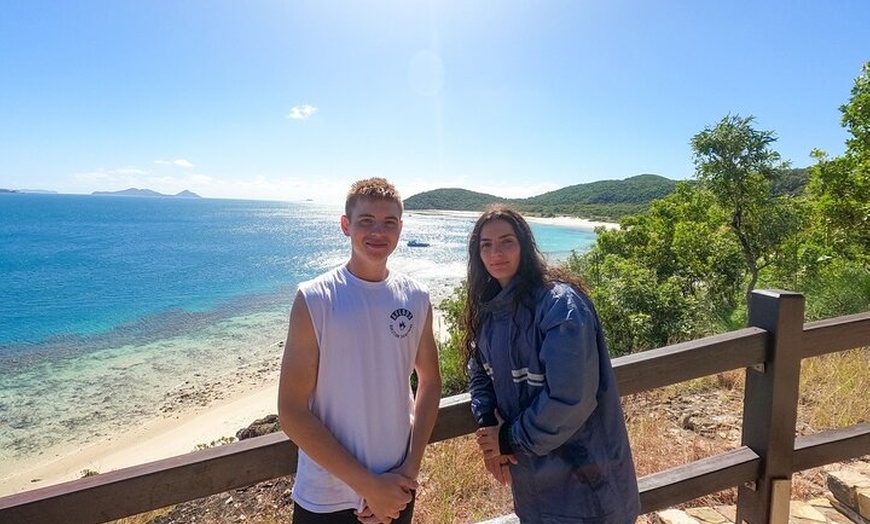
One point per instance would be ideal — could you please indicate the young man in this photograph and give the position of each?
(356, 333)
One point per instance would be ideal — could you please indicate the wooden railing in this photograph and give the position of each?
(770, 350)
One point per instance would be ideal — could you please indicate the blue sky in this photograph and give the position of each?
(291, 100)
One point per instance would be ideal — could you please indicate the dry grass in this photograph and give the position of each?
(456, 488)
(835, 390)
(144, 518)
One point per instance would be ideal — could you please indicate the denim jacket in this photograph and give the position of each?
(547, 370)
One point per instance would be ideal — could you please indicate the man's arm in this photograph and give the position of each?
(385, 494)
(426, 400)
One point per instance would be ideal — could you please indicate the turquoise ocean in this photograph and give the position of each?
(115, 310)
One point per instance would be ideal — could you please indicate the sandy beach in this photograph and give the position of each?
(564, 221)
(156, 439)
(579, 223)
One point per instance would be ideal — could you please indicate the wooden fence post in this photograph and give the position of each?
(770, 406)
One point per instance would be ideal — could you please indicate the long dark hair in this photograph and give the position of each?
(532, 273)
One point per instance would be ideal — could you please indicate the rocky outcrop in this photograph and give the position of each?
(260, 427)
(850, 488)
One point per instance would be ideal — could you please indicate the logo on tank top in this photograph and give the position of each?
(400, 323)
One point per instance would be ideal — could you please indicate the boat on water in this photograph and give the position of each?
(417, 243)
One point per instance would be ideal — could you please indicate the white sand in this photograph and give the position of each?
(153, 440)
(579, 223)
(565, 221)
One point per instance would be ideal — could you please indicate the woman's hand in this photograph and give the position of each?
(500, 468)
(487, 438)
(496, 463)
(487, 441)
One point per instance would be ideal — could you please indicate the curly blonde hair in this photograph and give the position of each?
(374, 188)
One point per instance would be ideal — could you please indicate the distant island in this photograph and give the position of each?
(135, 192)
(37, 191)
(23, 191)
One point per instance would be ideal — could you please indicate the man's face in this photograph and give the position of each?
(373, 227)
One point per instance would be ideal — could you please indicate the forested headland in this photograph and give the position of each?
(606, 200)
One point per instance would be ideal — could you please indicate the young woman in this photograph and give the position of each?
(542, 387)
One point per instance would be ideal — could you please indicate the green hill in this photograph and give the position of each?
(601, 200)
(453, 199)
(640, 189)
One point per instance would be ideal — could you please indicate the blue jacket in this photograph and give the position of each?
(547, 370)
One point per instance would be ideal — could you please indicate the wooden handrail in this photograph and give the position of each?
(660, 367)
(836, 445)
(836, 334)
(696, 479)
(153, 485)
(145, 487)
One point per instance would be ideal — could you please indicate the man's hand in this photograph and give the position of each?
(385, 498)
(366, 516)
(407, 471)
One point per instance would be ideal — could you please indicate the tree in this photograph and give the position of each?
(666, 276)
(841, 186)
(736, 163)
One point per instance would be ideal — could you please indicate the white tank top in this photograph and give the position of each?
(368, 334)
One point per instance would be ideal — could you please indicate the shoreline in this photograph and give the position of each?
(575, 222)
(563, 221)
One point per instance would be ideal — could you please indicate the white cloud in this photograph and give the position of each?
(179, 162)
(200, 179)
(302, 112)
(290, 188)
(118, 175)
(129, 171)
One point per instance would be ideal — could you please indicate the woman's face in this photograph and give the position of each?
(500, 250)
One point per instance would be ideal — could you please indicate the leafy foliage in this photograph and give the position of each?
(840, 186)
(790, 182)
(454, 378)
(666, 276)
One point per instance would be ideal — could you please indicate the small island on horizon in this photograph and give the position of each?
(131, 192)
(135, 192)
